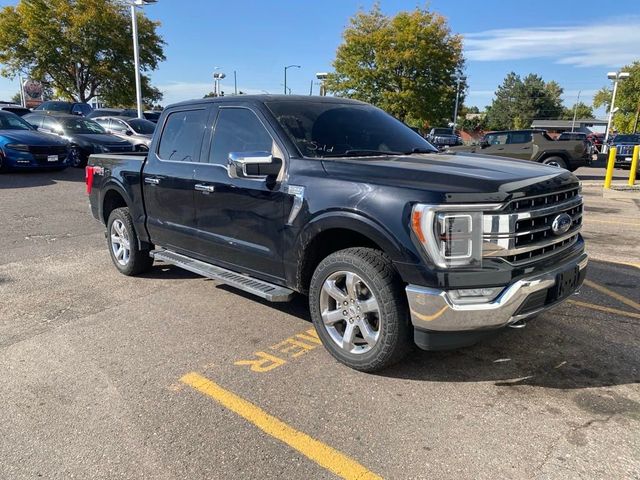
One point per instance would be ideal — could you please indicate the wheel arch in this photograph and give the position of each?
(331, 232)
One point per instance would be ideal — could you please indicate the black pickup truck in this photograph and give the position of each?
(392, 242)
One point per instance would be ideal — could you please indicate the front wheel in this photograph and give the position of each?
(76, 157)
(358, 309)
(122, 240)
(555, 162)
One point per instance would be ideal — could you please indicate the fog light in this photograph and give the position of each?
(475, 295)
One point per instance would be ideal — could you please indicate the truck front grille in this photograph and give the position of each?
(522, 231)
(624, 150)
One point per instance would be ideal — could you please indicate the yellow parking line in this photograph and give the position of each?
(600, 308)
(324, 455)
(612, 294)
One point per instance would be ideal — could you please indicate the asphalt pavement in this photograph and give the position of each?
(172, 376)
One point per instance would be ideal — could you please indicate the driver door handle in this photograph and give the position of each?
(204, 188)
(152, 180)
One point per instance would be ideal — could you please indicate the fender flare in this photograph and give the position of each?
(112, 185)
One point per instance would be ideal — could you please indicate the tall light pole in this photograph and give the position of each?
(615, 77)
(136, 50)
(217, 76)
(575, 111)
(322, 76)
(460, 78)
(285, 75)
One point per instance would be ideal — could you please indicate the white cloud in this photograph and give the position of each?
(609, 43)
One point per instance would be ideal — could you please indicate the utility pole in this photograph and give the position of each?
(22, 99)
(460, 78)
(285, 77)
(575, 111)
(235, 83)
(311, 88)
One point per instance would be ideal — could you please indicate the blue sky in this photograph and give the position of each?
(574, 43)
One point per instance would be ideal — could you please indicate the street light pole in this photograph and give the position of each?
(455, 111)
(575, 111)
(616, 77)
(136, 59)
(285, 75)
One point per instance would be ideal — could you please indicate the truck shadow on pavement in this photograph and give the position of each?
(567, 348)
(30, 179)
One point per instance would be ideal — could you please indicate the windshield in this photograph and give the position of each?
(323, 129)
(142, 126)
(80, 125)
(10, 121)
(54, 106)
(627, 138)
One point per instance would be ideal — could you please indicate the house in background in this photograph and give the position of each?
(556, 127)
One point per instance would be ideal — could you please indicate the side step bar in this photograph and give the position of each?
(266, 290)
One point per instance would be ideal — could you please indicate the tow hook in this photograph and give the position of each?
(518, 324)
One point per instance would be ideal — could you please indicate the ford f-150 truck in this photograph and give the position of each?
(392, 242)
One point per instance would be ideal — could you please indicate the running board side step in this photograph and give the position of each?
(266, 290)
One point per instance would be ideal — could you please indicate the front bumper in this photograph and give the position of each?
(434, 310)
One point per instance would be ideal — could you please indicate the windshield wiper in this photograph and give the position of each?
(362, 153)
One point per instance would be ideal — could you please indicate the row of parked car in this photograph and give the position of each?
(56, 135)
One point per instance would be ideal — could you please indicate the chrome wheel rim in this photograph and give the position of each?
(120, 242)
(350, 312)
(554, 164)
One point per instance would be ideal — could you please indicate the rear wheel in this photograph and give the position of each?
(358, 309)
(122, 240)
(555, 162)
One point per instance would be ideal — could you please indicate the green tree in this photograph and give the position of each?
(17, 98)
(626, 119)
(79, 48)
(582, 110)
(518, 101)
(406, 64)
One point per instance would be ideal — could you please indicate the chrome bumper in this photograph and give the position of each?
(434, 310)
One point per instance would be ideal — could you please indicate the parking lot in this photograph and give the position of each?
(170, 375)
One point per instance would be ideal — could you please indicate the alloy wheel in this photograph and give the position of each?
(120, 245)
(350, 312)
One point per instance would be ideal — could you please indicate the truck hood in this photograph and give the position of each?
(455, 177)
(31, 137)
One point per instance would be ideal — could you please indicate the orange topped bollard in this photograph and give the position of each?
(610, 164)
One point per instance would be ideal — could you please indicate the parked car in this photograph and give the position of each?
(152, 116)
(73, 108)
(442, 138)
(22, 147)
(113, 112)
(13, 108)
(624, 144)
(533, 145)
(392, 242)
(572, 136)
(84, 135)
(136, 131)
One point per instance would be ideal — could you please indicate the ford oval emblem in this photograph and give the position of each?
(561, 224)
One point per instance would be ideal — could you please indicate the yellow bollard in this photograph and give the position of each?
(610, 165)
(634, 165)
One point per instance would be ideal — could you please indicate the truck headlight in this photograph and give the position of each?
(451, 236)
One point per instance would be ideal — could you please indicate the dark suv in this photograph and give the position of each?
(73, 108)
(624, 144)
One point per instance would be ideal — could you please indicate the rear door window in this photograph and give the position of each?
(182, 136)
(519, 137)
(497, 139)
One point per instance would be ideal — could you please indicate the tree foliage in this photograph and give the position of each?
(79, 48)
(582, 110)
(518, 101)
(406, 64)
(627, 100)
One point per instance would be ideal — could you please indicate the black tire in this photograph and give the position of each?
(138, 260)
(78, 159)
(556, 162)
(377, 272)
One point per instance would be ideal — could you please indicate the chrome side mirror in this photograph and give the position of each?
(255, 165)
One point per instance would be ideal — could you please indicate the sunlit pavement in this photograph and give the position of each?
(172, 376)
